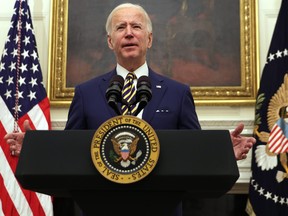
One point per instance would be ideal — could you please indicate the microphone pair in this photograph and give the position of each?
(114, 93)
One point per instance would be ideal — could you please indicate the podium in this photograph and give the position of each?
(197, 163)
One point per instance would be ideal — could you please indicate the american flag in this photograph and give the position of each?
(268, 191)
(22, 96)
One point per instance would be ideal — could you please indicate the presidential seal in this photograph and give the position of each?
(125, 149)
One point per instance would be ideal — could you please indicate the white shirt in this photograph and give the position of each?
(141, 71)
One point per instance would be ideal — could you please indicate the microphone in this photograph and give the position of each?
(114, 92)
(144, 93)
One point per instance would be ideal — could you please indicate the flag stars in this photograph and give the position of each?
(32, 95)
(278, 54)
(27, 14)
(9, 81)
(261, 191)
(19, 95)
(2, 66)
(271, 57)
(7, 39)
(4, 53)
(34, 68)
(33, 82)
(275, 198)
(282, 201)
(22, 11)
(25, 53)
(14, 53)
(268, 195)
(28, 27)
(26, 40)
(16, 39)
(8, 94)
(21, 81)
(12, 66)
(255, 186)
(1, 79)
(34, 54)
(11, 24)
(18, 108)
(23, 68)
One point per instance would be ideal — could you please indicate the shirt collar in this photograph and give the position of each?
(141, 71)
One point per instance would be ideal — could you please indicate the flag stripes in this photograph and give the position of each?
(278, 142)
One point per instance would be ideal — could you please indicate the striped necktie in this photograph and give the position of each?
(129, 95)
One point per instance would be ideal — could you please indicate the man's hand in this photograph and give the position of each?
(15, 139)
(241, 144)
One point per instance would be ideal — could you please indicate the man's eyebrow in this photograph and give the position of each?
(120, 23)
(137, 23)
(125, 24)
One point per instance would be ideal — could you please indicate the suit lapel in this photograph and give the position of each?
(158, 88)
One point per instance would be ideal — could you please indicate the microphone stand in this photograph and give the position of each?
(115, 107)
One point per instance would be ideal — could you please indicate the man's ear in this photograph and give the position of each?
(150, 40)
(109, 41)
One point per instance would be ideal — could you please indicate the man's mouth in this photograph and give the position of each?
(129, 45)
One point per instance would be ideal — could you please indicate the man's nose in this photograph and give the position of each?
(129, 31)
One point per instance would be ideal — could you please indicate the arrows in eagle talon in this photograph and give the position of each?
(138, 154)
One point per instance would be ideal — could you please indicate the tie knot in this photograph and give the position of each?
(131, 76)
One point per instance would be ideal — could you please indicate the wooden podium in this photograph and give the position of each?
(197, 163)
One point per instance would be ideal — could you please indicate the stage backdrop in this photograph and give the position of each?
(209, 45)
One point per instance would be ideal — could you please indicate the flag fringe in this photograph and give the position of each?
(249, 209)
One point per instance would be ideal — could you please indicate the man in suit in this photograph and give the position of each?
(129, 31)
(129, 36)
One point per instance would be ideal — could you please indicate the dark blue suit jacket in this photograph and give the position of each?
(171, 107)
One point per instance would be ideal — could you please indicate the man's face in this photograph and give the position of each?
(129, 37)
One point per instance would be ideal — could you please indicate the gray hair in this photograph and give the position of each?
(128, 5)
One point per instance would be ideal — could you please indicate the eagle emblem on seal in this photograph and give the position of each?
(125, 146)
(277, 138)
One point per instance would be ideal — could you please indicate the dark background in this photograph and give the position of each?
(227, 205)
